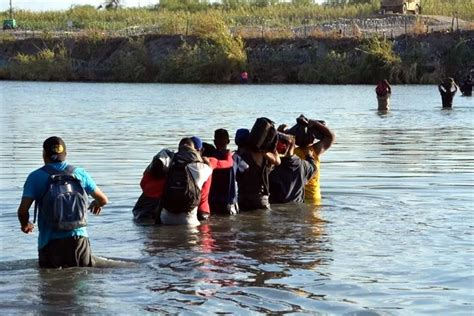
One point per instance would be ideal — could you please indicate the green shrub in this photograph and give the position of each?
(215, 57)
(379, 61)
(46, 65)
(459, 59)
(130, 62)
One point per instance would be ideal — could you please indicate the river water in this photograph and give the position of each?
(394, 235)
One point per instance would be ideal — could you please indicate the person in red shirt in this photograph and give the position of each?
(204, 210)
(152, 184)
(383, 91)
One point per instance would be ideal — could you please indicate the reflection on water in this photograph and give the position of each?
(393, 236)
(239, 261)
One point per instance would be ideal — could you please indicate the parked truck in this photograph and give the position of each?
(401, 6)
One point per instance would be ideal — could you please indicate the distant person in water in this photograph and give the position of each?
(244, 77)
(63, 240)
(466, 86)
(447, 88)
(383, 91)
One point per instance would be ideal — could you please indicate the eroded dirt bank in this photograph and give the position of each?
(157, 58)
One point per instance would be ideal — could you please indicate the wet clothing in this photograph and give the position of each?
(287, 180)
(383, 89)
(200, 173)
(146, 207)
(223, 191)
(66, 252)
(312, 194)
(216, 165)
(383, 102)
(153, 185)
(253, 184)
(35, 187)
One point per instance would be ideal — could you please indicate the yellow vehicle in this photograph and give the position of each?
(401, 6)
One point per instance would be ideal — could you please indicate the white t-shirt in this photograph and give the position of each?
(200, 173)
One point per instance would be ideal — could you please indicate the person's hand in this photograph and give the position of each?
(206, 161)
(95, 208)
(28, 228)
(282, 128)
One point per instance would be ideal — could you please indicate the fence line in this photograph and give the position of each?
(390, 26)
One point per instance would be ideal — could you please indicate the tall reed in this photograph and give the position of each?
(234, 14)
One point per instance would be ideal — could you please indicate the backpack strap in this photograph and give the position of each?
(51, 171)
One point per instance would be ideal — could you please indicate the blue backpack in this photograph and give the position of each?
(64, 204)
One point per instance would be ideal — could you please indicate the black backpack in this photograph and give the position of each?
(181, 194)
(64, 204)
(263, 136)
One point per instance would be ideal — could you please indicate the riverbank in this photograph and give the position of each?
(219, 57)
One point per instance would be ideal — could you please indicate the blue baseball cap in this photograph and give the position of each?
(197, 142)
(241, 136)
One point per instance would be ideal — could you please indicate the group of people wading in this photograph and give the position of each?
(184, 187)
(270, 165)
(447, 89)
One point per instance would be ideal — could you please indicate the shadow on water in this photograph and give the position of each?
(254, 261)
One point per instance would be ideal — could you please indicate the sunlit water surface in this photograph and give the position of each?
(394, 234)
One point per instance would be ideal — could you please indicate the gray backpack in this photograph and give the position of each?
(64, 204)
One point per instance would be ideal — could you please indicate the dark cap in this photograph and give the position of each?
(241, 136)
(221, 134)
(55, 149)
